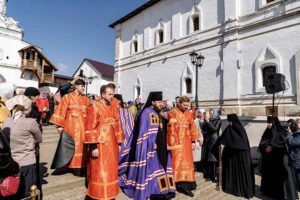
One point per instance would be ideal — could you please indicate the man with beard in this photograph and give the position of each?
(181, 133)
(70, 118)
(104, 135)
(145, 165)
(237, 169)
(276, 177)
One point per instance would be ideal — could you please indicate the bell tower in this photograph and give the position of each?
(3, 7)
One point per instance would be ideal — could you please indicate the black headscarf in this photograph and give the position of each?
(234, 136)
(31, 92)
(153, 96)
(273, 136)
(120, 98)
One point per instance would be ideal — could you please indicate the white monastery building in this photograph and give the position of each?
(21, 63)
(240, 40)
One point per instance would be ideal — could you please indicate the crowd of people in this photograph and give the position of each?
(148, 150)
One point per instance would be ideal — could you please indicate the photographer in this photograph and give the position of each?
(293, 142)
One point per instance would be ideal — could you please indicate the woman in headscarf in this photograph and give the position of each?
(212, 124)
(237, 169)
(276, 178)
(22, 133)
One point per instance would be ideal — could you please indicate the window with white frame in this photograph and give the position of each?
(188, 81)
(137, 89)
(268, 61)
(160, 33)
(134, 43)
(194, 19)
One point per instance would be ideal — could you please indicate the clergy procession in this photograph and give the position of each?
(150, 152)
(150, 100)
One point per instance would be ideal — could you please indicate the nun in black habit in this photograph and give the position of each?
(276, 177)
(237, 169)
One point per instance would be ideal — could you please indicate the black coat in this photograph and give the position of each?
(277, 179)
(8, 167)
(237, 169)
(211, 130)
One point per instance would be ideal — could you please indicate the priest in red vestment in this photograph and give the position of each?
(104, 135)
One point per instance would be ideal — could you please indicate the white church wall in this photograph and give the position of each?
(285, 42)
(98, 80)
(229, 71)
(12, 75)
(10, 47)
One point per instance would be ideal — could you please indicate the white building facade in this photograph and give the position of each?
(238, 38)
(11, 41)
(95, 75)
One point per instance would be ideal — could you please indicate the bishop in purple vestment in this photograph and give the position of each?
(145, 164)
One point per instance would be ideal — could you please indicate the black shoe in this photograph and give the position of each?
(186, 192)
(189, 193)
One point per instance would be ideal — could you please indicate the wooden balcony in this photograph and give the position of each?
(35, 62)
(47, 78)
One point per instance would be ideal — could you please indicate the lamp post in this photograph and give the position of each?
(197, 60)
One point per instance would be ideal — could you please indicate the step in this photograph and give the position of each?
(60, 183)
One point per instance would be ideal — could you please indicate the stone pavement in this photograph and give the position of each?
(64, 186)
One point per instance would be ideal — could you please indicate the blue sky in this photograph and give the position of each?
(70, 30)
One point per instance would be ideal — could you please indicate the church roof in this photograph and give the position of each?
(63, 76)
(102, 68)
(134, 12)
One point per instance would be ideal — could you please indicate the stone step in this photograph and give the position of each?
(59, 183)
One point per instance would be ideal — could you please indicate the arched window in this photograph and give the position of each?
(134, 43)
(188, 82)
(160, 35)
(137, 88)
(194, 24)
(268, 61)
(188, 85)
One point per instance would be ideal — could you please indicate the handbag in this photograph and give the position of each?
(9, 186)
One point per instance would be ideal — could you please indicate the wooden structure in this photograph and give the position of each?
(37, 64)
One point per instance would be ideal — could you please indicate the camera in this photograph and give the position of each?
(291, 123)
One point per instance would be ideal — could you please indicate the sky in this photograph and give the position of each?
(70, 30)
